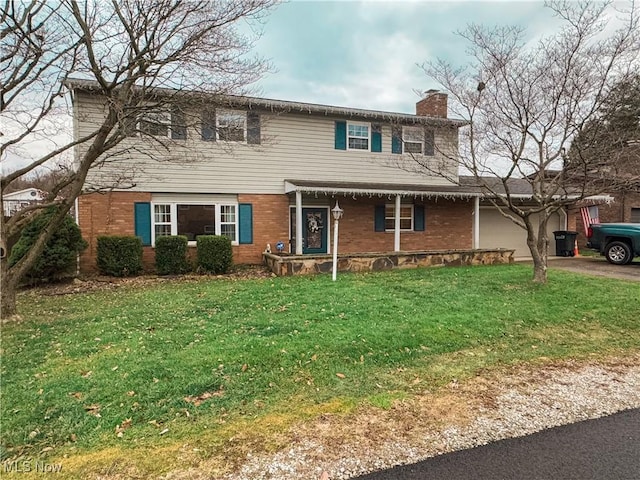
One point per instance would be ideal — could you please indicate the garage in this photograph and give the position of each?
(497, 231)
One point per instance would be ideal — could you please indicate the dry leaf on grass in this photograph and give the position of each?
(197, 400)
(93, 409)
(340, 375)
(123, 426)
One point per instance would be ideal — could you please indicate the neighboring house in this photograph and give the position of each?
(264, 171)
(16, 201)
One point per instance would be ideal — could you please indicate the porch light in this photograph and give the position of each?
(337, 212)
(337, 215)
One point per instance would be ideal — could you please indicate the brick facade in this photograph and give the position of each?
(448, 225)
(108, 214)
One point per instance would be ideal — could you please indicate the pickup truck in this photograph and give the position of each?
(619, 242)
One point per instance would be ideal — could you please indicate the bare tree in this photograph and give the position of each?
(128, 50)
(527, 100)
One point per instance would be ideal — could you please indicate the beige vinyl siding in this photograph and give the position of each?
(293, 146)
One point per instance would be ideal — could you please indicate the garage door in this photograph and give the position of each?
(499, 232)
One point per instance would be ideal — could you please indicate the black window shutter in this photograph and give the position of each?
(178, 124)
(379, 218)
(429, 143)
(208, 125)
(418, 218)
(253, 128)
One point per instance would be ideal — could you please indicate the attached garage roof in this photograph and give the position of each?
(521, 188)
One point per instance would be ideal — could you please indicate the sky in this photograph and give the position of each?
(366, 54)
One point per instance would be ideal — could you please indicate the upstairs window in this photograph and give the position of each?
(413, 140)
(358, 136)
(231, 126)
(167, 124)
(155, 124)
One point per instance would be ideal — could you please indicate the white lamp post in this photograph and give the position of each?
(337, 215)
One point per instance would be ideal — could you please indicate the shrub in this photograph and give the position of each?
(58, 259)
(119, 256)
(214, 253)
(171, 255)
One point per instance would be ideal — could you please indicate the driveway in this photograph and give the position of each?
(597, 266)
(604, 449)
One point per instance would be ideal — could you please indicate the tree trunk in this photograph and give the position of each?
(8, 289)
(538, 248)
(539, 272)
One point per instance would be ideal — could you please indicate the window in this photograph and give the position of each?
(415, 140)
(228, 221)
(406, 217)
(231, 126)
(192, 220)
(161, 124)
(412, 139)
(358, 136)
(162, 220)
(155, 124)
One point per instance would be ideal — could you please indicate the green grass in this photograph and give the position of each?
(216, 360)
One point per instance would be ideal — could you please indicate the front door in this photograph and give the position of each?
(314, 230)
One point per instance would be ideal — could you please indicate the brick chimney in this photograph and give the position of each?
(433, 104)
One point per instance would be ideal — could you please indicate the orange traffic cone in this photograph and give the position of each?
(576, 252)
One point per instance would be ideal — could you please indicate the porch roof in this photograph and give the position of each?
(381, 189)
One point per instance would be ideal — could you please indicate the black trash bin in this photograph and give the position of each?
(565, 243)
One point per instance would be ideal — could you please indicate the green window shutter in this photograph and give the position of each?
(379, 218)
(376, 138)
(253, 128)
(245, 226)
(429, 143)
(142, 219)
(341, 135)
(418, 218)
(396, 139)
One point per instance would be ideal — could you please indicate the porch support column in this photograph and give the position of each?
(298, 223)
(476, 222)
(396, 228)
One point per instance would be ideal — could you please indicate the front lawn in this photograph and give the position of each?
(119, 380)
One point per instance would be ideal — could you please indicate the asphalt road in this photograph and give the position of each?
(603, 449)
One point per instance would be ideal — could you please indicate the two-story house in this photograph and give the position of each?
(264, 171)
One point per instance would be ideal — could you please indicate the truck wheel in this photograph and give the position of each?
(618, 253)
